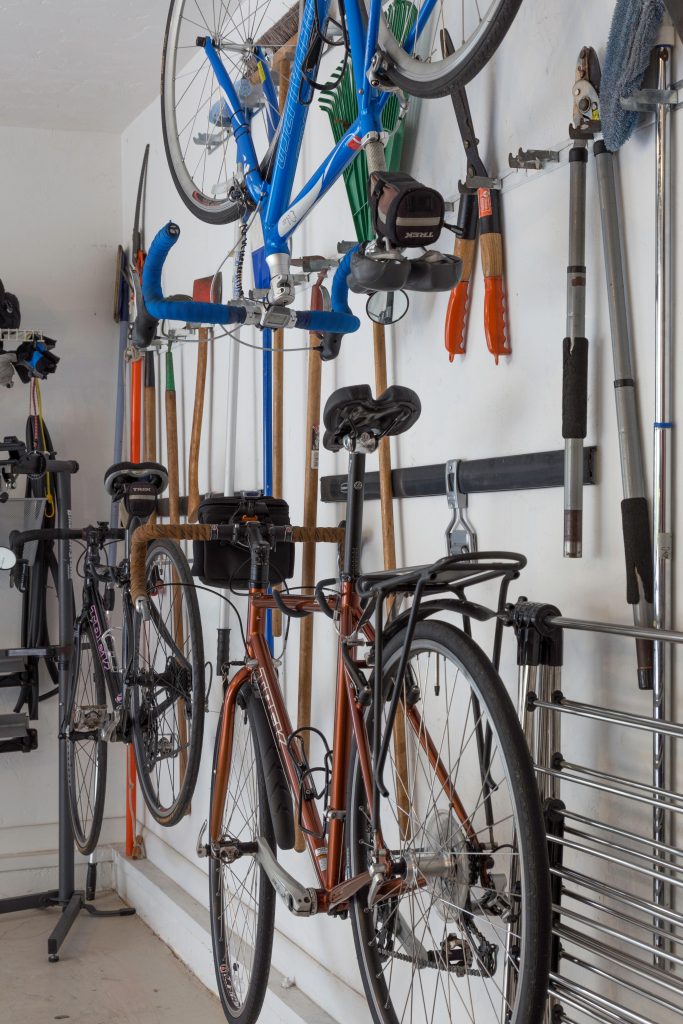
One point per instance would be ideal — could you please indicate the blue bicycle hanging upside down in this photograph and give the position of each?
(220, 110)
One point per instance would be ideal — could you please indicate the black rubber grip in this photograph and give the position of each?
(578, 153)
(574, 387)
(222, 649)
(635, 521)
(330, 343)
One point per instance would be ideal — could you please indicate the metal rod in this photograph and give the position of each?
(577, 1004)
(64, 589)
(573, 816)
(611, 892)
(626, 918)
(578, 848)
(624, 718)
(606, 1005)
(575, 355)
(617, 956)
(622, 983)
(618, 629)
(616, 846)
(605, 929)
(662, 430)
(634, 507)
(640, 787)
(580, 781)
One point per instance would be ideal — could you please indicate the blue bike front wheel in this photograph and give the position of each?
(198, 137)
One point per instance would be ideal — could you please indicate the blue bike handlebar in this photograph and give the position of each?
(338, 321)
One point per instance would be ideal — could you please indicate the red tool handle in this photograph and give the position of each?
(459, 301)
(491, 242)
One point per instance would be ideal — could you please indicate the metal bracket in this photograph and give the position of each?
(533, 159)
(461, 538)
(650, 99)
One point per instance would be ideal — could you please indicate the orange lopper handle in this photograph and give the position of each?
(456, 320)
(494, 318)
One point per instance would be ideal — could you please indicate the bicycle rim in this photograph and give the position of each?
(168, 693)
(241, 899)
(470, 938)
(476, 28)
(198, 138)
(86, 758)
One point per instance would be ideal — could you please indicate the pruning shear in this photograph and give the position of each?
(478, 212)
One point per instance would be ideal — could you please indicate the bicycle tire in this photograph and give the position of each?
(247, 1008)
(198, 198)
(374, 940)
(86, 835)
(433, 79)
(151, 749)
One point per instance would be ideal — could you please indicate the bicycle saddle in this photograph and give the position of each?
(119, 476)
(353, 411)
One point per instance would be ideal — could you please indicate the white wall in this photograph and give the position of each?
(61, 213)
(471, 408)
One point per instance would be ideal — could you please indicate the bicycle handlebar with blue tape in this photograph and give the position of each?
(332, 325)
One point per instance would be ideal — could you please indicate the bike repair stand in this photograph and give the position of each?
(71, 900)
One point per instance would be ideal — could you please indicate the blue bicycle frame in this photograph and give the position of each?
(280, 215)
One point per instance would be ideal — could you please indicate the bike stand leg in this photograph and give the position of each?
(34, 901)
(68, 916)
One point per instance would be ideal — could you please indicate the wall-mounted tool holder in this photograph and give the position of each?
(616, 950)
(531, 471)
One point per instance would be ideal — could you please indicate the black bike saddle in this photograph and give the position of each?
(353, 411)
(119, 476)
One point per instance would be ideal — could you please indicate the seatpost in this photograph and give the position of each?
(354, 514)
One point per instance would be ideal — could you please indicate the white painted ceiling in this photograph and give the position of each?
(89, 65)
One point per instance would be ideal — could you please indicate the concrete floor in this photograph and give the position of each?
(111, 971)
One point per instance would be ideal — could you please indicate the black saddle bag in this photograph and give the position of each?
(226, 565)
(405, 212)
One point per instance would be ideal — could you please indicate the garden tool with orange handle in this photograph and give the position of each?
(478, 212)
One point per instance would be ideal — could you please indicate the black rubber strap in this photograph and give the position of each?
(574, 387)
(329, 345)
(635, 521)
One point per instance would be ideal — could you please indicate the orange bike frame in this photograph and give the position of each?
(327, 854)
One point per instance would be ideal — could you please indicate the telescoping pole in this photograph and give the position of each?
(575, 356)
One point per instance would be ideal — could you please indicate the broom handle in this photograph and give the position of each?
(389, 548)
(310, 519)
(196, 435)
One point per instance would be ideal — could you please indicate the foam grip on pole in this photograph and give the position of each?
(494, 318)
(574, 387)
(223, 650)
(635, 520)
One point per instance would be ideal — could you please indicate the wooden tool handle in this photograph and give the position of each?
(491, 242)
(195, 437)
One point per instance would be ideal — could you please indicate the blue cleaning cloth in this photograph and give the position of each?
(632, 35)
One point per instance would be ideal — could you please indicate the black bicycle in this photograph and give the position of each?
(148, 689)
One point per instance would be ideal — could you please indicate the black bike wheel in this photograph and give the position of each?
(476, 28)
(86, 756)
(168, 690)
(199, 142)
(468, 938)
(241, 898)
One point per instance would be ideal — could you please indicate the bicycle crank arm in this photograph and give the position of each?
(299, 899)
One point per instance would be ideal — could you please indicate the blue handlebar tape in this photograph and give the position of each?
(340, 319)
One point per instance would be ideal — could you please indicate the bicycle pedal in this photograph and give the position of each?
(88, 717)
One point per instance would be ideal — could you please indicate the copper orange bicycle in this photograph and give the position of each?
(423, 820)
